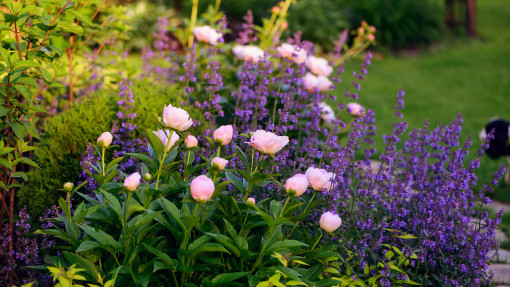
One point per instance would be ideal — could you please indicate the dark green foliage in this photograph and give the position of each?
(399, 23)
(320, 21)
(305, 15)
(158, 235)
(235, 9)
(59, 149)
(66, 136)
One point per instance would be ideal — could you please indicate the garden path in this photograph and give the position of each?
(496, 206)
(502, 268)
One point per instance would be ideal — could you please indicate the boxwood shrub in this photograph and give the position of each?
(65, 137)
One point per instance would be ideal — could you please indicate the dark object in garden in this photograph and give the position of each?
(468, 19)
(498, 146)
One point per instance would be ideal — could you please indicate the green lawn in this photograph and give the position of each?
(471, 77)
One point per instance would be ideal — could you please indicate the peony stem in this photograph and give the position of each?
(311, 199)
(126, 207)
(304, 211)
(217, 6)
(102, 160)
(194, 11)
(285, 205)
(252, 156)
(69, 215)
(196, 209)
(317, 241)
(164, 156)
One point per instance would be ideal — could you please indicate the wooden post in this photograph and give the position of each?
(471, 18)
(450, 15)
(178, 5)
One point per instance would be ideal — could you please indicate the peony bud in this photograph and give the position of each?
(176, 118)
(318, 66)
(132, 182)
(355, 109)
(207, 34)
(275, 10)
(319, 179)
(202, 188)
(267, 142)
(105, 140)
(285, 25)
(250, 201)
(296, 185)
(191, 142)
(163, 136)
(219, 163)
(330, 222)
(68, 186)
(223, 135)
(147, 177)
(371, 37)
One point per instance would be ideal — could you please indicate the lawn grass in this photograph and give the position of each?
(470, 77)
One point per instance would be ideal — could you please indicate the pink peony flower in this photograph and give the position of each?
(330, 222)
(207, 34)
(318, 66)
(323, 84)
(319, 179)
(202, 188)
(248, 53)
(223, 135)
(296, 54)
(355, 109)
(176, 118)
(327, 113)
(132, 182)
(267, 142)
(163, 136)
(313, 83)
(296, 185)
(106, 139)
(219, 163)
(191, 142)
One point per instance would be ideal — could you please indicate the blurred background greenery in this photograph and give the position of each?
(443, 72)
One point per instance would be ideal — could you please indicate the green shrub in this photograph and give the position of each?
(399, 23)
(320, 21)
(65, 137)
(235, 9)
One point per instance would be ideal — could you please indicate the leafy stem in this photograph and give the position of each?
(194, 11)
(102, 160)
(318, 239)
(285, 205)
(163, 158)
